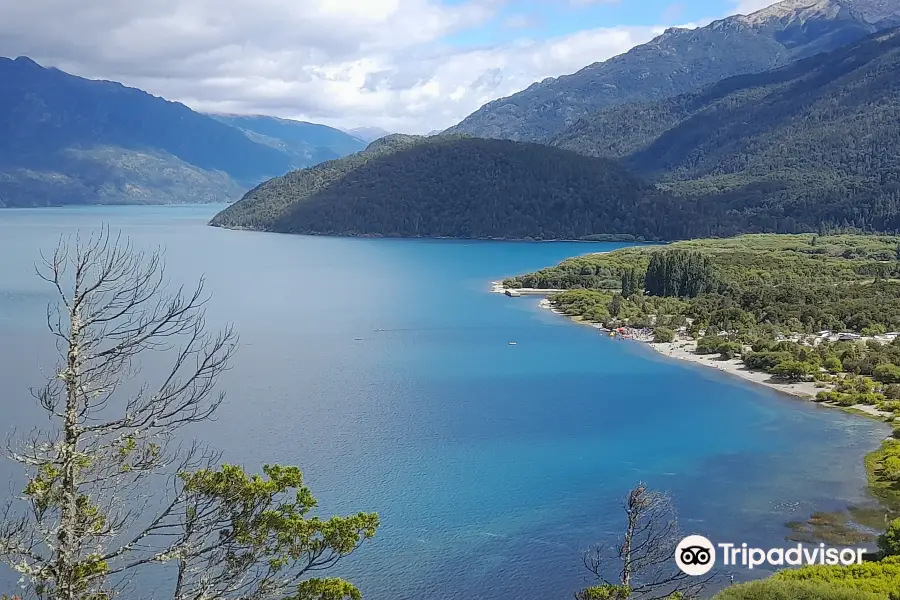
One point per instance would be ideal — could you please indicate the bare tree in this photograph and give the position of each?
(95, 509)
(643, 560)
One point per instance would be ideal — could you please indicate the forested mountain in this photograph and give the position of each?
(682, 61)
(306, 143)
(459, 187)
(69, 140)
(819, 138)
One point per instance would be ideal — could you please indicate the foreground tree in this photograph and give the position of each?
(112, 491)
(642, 564)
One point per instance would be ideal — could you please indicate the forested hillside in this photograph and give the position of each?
(460, 187)
(815, 142)
(682, 61)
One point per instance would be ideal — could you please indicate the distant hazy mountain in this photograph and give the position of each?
(69, 140)
(368, 134)
(307, 143)
(681, 61)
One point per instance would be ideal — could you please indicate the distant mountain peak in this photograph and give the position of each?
(801, 11)
(682, 61)
(368, 134)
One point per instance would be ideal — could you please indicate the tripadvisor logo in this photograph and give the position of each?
(696, 555)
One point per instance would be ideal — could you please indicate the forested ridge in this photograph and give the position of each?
(815, 142)
(461, 187)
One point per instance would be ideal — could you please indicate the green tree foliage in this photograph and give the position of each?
(663, 335)
(604, 592)
(679, 273)
(889, 541)
(794, 370)
(775, 589)
(763, 282)
(708, 344)
(632, 282)
(833, 364)
(461, 187)
(115, 492)
(615, 306)
(884, 478)
(875, 577)
(887, 373)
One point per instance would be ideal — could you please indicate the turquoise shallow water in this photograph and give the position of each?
(491, 465)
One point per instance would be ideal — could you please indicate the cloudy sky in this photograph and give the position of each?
(404, 65)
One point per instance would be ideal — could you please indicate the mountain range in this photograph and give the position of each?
(368, 134)
(306, 143)
(812, 145)
(681, 61)
(69, 140)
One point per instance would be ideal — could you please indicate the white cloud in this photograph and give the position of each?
(745, 7)
(341, 62)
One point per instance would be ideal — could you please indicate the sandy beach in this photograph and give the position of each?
(686, 350)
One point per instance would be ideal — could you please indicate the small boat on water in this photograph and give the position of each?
(512, 343)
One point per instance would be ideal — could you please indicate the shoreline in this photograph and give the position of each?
(683, 349)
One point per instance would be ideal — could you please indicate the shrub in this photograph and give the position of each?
(890, 468)
(887, 373)
(766, 360)
(889, 541)
(663, 335)
(729, 349)
(708, 344)
(794, 370)
(878, 577)
(773, 589)
(833, 364)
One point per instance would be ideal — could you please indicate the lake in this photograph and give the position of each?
(383, 368)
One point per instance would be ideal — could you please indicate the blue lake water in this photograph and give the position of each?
(492, 466)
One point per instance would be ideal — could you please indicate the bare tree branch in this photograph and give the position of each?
(643, 558)
(111, 489)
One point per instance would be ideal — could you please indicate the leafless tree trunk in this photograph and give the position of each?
(644, 557)
(87, 515)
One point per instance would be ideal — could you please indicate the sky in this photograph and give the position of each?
(408, 66)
